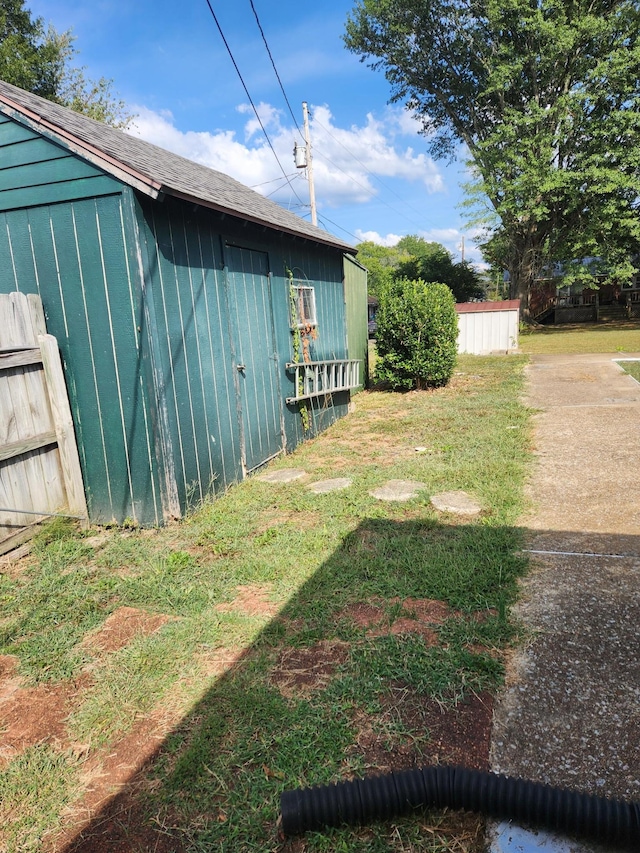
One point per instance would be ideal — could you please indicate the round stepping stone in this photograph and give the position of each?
(284, 475)
(322, 487)
(459, 503)
(398, 490)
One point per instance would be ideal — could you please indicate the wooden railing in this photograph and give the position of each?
(319, 378)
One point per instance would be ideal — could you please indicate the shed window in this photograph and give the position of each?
(304, 298)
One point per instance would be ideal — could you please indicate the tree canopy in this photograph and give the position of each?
(415, 258)
(545, 97)
(40, 60)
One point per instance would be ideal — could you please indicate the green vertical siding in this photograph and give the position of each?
(255, 357)
(191, 347)
(36, 171)
(355, 289)
(149, 321)
(74, 255)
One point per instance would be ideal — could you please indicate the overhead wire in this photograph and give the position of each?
(244, 85)
(264, 39)
(373, 174)
(287, 178)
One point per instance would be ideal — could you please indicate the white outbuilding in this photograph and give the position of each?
(488, 327)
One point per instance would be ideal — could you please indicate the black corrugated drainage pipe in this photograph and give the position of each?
(530, 803)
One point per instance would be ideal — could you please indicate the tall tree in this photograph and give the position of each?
(546, 98)
(381, 263)
(414, 257)
(431, 262)
(41, 60)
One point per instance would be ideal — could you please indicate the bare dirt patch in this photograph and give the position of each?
(113, 772)
(253, 600)
(122, 626)
(398, 616)
(414, 731)
(300, 672)
(32, 715)
(280, 518)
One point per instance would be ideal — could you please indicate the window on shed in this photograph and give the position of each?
(304, 298)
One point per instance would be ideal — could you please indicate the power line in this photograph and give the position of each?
(264, 183)
(357, 159)
(235, 65)
(335, 224)
(264, 39)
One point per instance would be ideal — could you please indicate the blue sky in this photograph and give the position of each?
(373, 176)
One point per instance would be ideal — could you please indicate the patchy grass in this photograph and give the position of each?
(582, 338)
(364, 602)
(34, 789)
(632, 368)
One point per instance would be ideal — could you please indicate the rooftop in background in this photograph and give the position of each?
(506, 305)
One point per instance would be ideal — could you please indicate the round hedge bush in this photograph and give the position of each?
(416, 338)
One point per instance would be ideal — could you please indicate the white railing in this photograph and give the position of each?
(319, 378)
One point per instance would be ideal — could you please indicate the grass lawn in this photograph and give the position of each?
(276, 638)
(582, 338)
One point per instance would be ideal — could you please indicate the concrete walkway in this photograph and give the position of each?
(570, 714)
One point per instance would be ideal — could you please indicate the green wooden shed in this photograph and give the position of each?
(202, 327)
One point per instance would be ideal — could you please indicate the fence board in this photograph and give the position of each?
(63, 423)
(39, 465)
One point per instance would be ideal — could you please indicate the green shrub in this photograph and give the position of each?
(417, 334)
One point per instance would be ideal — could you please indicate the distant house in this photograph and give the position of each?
(181, 301)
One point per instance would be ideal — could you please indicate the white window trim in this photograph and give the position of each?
(304, 288)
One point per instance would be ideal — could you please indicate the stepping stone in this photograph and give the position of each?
(284, 475)
(459, 503)
(322, 487)
(398, 490)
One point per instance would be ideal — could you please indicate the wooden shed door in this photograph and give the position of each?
(255, 355)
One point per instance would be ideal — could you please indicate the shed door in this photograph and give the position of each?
(255, 355)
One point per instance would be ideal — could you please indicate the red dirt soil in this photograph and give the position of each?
(108, 810)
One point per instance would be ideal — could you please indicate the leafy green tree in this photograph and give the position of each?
(40, 60)
(414, 257)
(546, 98)
(416, 341)
(433, 263)
(381, 263)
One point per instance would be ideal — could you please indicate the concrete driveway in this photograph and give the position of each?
(570, 714)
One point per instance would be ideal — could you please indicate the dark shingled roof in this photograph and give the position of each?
(152, 169)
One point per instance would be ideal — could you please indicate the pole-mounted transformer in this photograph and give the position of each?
(302, 159)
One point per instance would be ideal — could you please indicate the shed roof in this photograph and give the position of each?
(476, 307)
(152, 169)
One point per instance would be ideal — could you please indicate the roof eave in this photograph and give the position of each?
(256, 220)
(104, 161)
(140, 181)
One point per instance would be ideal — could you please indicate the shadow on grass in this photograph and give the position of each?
(384, 661)
(386, 658)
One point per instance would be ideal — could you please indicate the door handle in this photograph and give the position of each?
(241, 368)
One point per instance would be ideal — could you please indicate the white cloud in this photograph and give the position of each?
(346, 161)
(373, 237)
(450, 238)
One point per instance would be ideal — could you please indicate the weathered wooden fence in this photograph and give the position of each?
(40, 471)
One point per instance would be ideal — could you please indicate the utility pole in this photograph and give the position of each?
(309, 164)
(462, 248)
